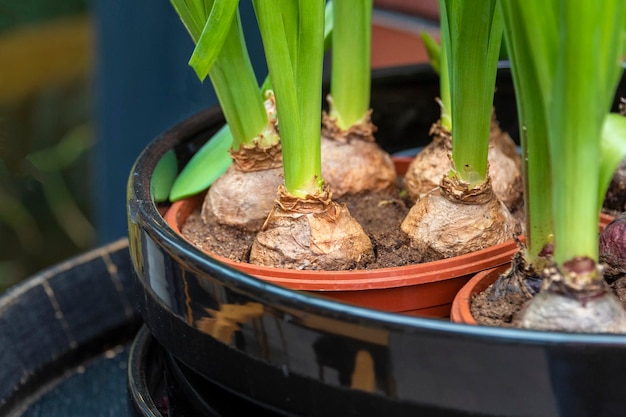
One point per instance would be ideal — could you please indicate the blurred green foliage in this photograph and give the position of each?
(45, 135)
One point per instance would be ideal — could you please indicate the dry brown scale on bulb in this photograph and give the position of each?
(352, 162)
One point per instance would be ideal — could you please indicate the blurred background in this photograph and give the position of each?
(46, 134)
(84, 86)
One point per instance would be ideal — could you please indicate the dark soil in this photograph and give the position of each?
(499, 312)
(379, 213)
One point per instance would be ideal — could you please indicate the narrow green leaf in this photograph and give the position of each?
(576, 114)
(163, 176)
(433, 49)
(237, 88)
(526, 60)
(444, 77)
(294, 74)
(472, 29)
(309, 84)
(612, 150)
(211, 161)
(191, 13)
(210, 43)
(329, 21)
(351, 61)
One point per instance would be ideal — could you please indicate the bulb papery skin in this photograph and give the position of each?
(430, 164)
(574, 298)
(352, 162)
(454, 220)
(244, 195)
(311, 233)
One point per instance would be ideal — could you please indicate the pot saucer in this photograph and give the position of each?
(160, 386)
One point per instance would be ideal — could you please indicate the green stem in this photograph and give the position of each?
(444, 90)
(297, 87)
(472, 29)
(575, 129)
(532, 121)
(237, 88)
(214, 33)
(351, 61)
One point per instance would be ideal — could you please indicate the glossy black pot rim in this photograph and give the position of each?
(143, 211)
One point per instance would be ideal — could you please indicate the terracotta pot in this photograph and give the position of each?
(425, 289)
(461, 312)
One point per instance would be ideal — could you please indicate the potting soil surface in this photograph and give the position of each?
(379, 213)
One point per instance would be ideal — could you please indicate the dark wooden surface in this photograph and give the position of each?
(64, 336)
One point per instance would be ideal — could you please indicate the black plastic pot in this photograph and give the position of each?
(298, 354)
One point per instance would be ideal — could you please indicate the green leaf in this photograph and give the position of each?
(527, 60)
(612, 151)
(163, 176)
(211, 41)
(351, 61)
(237, 88)
(473, 33)
(293, 38)
(576, 113)
(433, 49)
(329, 21)
(192, 14)
(211, 161)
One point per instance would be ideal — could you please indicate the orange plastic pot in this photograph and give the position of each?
(425, 289)
(460, 311)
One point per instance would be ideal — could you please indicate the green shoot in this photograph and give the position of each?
(566, 62)
(212, 159)
(215, 27)
(213, 36)
(532, 117)
(205, 166)
(293, 38)
(473, 32)
(433, 49)
(439, 61)
(351, 56)
(612, 151)
(583, 87)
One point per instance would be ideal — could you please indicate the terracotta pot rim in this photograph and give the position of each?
(361, 279)
(399, 276)
(461, 305)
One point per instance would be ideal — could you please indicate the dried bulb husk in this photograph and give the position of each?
(352, 162)
(505, 167)
(430, 165)
(589, 307)
(454, 220)
(433, 163)
(509, 293)
(521, 280)
(244, 195)
(311, 233)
